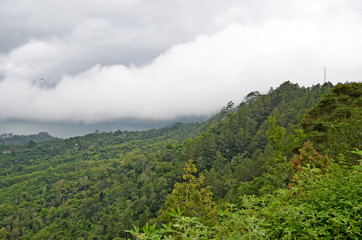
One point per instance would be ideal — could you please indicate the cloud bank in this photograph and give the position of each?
(56, 79)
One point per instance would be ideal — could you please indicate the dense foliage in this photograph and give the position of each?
(319, 205)
(92, 186)
(234, 151)
(335, 122)
(254, 175)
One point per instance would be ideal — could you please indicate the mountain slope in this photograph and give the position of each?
(235, 149)
(99, 185)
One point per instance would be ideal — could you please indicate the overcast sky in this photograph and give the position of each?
(94, 61)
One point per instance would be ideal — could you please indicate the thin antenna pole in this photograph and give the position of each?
(325, 74)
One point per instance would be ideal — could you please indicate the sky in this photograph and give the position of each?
(89, 63)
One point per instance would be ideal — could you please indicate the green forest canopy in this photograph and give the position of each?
(254, 170)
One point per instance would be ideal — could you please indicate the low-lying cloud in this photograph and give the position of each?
(194, 78)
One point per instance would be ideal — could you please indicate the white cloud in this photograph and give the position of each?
(86, 78)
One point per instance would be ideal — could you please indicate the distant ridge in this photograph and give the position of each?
(10, 138)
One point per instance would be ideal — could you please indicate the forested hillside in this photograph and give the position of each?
(91, 186)
(250, 172)
(9, 139)
(234, 150)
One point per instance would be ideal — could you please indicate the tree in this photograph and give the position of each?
(31, 144)
(191, 198)
(334, 124)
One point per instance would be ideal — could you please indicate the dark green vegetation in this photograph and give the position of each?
(254, 175)
(11, 139)
(335, 122)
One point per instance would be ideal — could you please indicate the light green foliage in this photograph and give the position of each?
(182, 228)
(275, 136)
(276, 168)
(190, 197)
(320, 205)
